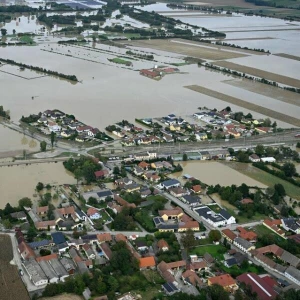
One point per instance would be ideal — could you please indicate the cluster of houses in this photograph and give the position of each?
(68, 217)
(158, 73)
(282, 226)
(271, 257)
(64, 126)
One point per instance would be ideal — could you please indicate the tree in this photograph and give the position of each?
(242, 156)
(214, 235)
(31, 233)
(267, 122)
(217, 292)
(52, 138)
(39, 186)
(6, 223)
(244, 189)
(14, 31)
(113, 283)
(3, 31)
(116, 170)
(184, 157)
(289, 169)
(45, 252)
(260, 150)
(188, 240)
(279, 188)
(25, 202)
(43, 146)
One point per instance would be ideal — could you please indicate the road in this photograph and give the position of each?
(33, 161)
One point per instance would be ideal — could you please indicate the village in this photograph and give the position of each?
(172, 227)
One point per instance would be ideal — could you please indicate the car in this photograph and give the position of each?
(297, 135)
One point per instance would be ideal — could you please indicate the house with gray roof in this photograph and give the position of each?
(293, 274)
(35, 272)
(243, 244)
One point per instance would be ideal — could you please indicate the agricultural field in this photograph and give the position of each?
(265, 178)
(247, 105)
(12, 287)
(266, 90)
(187, 48)
(260, 73)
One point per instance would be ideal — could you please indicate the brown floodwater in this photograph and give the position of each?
(212, 173)
(20, 181)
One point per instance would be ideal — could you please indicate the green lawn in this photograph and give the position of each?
(236, 270)
(121, 61)
(215, 251)
(262, 230)
(27, 39)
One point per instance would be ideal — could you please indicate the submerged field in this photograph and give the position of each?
(265, 178)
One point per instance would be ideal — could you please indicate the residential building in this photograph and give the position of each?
(104, 237)
(273, 225)
(293, 274)
(25, 250)
(228, 235)
(58, 238)
(268, 159)
(254, 158)
(189, 277)
(162, 245)
(196, 189)
(247, 235)
(141, 245)
(88, 251)
(225, 281)
(170, 183)
(35, 272)
(19, 215)
(178, 192)
(147, 263)
(42, 210)
(169, 288)
(291, 224)
(171, 214)
(258, 285)
(93, 213)
(243, 244)
(191, 200)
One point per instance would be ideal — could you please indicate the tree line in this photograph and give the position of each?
(39, 69)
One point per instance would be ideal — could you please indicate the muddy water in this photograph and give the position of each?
(20, 181)
(214, 173)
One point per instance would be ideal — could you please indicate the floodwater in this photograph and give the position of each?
(212, 173)
(20, 181)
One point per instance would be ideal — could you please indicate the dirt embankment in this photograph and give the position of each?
(188, 48)
(251, 106)
(260, 73)
(293, 57)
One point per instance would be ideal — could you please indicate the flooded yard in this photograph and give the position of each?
(20, 181)
(212, 173)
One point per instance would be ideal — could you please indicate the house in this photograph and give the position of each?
(138, 171)
(189, 225)
(196, 189)
(141, 245)
(104, 237)
(291, 224)
(123, 181)
(45, 225)
(106, 250)
(178, 192)
(189, 277)
(205, 155)
(228, 235)
(40, 244)
(268, 159)
(247, 235)
(171, 214)
(198, 266)
(293, 274)
(162, 245)
(264, 129)
(150, 74)
(93, 213)
(93, 132)
(88, 251)
(58, 238)
(54, 127)
(169, 288)
(143, 165)
(19, 215)
(254, 158)
(130, 188)
(167, 184)
(201, 136)
(166, 272)
(120, 237)
(101, 174)
(226, 215)
(68, 265)
(35, 272)
(225, 281)
(258, 285)
(191, 200)
(42, 210)
(243, 244)
(147, 263)
(208, 258)
(145, 156)
(273, 225)
(25, 250)
(67, 133)
(246, 201)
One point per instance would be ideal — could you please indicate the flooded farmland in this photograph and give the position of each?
(20, 181)
(212, 173)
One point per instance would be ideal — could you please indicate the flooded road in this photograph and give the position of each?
(212, 173)
(20, 181)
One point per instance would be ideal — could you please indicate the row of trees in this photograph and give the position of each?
(39, 69)
(3, 113)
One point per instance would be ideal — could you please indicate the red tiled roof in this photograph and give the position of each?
(171, 212)
(26, 250)
(120, 237)
(177, 264)
(247, 235)
(162, 244)
(258, 285)
(47, 257)
(224, 280)
(149, 73)
(246, 201)
(196, 188)
(146, 262)
(192, 277)
(189, 225)
(104, 237)
(91, 211)
(42, 209)
(230, 234)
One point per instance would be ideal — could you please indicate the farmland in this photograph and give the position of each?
(260, 73)
(12, 287)
(251, 106)
(187, 48)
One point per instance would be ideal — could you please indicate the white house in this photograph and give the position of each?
(254, 158)
(268, 159)
(243, 244)
(54, 128)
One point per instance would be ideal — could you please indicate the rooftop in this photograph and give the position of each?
(222, 280)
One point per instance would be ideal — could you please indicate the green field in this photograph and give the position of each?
(262, 230)
(265, 178)
(121, 61)
(215, 251)
(27, 39)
